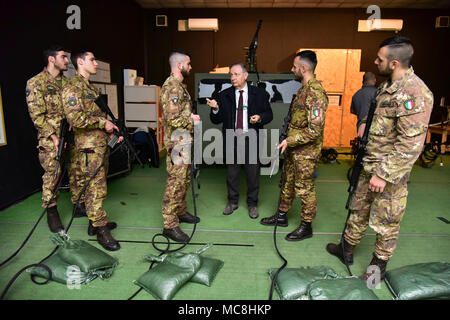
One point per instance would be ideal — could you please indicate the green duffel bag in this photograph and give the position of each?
(173, 270)
(208, 271)
(292, 283)
(62, 272)
(340, 289)
(420, 281)
(84, 255)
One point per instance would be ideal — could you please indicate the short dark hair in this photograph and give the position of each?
(51, 51)
(78, 54)
(310, 57)
(368, 76)
(400, 48)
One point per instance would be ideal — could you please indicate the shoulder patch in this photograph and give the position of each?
(175, 100)
(72, 101)
(27, 92)
(409, 105)
(316, 112)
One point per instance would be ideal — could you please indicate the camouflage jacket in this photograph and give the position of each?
(398, 128)
(305, 133)
(43, 95)
(176, 107)
(83, 114)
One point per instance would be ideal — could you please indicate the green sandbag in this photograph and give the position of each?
(87, 257)
(340, 289)
(61, 272)
(292, 283)
(165, 279)
(208, 271)
(420, 281)
(173, 270)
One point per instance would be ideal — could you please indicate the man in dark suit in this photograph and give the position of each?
(243, 110)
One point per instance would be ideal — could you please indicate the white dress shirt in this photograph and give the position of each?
(244, 104)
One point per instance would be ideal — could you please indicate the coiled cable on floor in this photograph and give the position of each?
(328, 155)
(167, 250)
(429, 155)
(40, 264)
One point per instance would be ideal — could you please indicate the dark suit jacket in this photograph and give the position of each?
(257, 104)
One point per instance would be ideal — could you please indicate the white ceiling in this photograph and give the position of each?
(414, 4)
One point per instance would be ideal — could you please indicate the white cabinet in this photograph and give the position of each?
(141, 109)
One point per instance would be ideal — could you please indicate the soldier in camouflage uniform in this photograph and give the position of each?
(303, 144)
(178, 129)
(91, 133)
(43, 95)
(395, 141)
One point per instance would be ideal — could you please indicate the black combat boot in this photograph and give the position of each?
(381, 264)
(304, 231)
(188, 218)
(53, 220)
(93, 230)
(336, 250)
(80, 210)
(176, 234)
(270, 221)
(105, 238)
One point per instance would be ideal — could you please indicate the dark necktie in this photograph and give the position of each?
(240, 115)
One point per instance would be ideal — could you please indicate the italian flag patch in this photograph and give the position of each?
(316, 112)
(409, 105)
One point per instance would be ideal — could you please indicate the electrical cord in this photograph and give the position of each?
(167, 250)
(275, 276)
(40, 264)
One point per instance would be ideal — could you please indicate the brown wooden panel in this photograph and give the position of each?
(332, 127)
(330, 68)
(353, 83)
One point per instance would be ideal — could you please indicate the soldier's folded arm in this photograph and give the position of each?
(411, 130)
(38, 110)
(316, 122)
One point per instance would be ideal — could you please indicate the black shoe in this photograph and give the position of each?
(230, 208)
(381, 264)
(80, 210)
(176, 234)
(270, 221)
(53, 220)
(253, 212)
(336, 250)
(92, 231)
(106, 240)
(188, 218)
(304, 231)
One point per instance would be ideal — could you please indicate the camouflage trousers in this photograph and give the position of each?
(174, 200)
(88, 161)
(299, 183)
(381, 211)
(74, 173)
(47, 159)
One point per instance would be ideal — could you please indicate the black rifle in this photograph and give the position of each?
(100, 101)
(283, 136)
(63, 135)
(195, 167)
(358, 167)
(251, 55)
